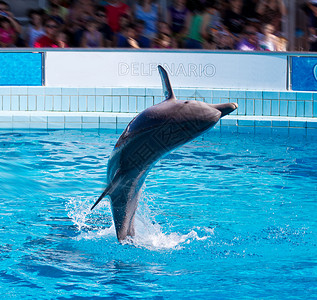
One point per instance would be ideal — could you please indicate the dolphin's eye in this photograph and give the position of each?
(186, 102)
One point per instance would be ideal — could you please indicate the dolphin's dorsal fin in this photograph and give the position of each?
(167, 88)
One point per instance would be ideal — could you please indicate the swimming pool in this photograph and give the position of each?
(226, 216)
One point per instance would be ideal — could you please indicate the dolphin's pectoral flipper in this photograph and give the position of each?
(167, 88)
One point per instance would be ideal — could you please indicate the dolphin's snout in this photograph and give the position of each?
(225, 108)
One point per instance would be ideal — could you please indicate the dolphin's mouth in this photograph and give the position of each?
(225, 108)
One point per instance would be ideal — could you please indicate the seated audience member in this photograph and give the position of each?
(103, 27)
(149, 12)
(165, 29)
(114, 10)
(311, 10)
(141, 39)
(233, 18)
(56, 13)
(57, 5)
(127, 37)
(7, 34)
(194, 39)
(163, 41)
(12, 28)
(271, 12)
(52, 37)
(268, 41)
(249, 41)
(92, 37)
(35, 28)
(224, 41)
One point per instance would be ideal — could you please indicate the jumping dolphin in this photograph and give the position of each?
(150, 135)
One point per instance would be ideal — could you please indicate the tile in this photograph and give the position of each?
(69, 91)
(5, 91)
(283, 108)
(51, 91)
(228, 122)
(38, 119)
(20, 125)
(280, 131)
(271, 95)
(40, 103)
(280, 123)
(258, 107)
(249, 123)
(15, 103)
(249, 107)
(49, 103)
(121, 126)
(125, 120)
(158, 99)
(140, 104)
(253, 95)
(73, 119)
(302, 124)
(6, 102)
(108, 119)
(73, 125)
(36, 91)
(153, 92)
(86, 91)
(311, 124)
(208, 100)
(275, 108)
(55, 125)
(216, 100)
(6, 119)
(236, 94)
(149, 101)
(263, 130)
(120, 91)
(0, 102)
(124, 104)
(107, 103)
(300, 109)
(228, 129)
(82, 103)
(266, 109)
(315, 96)
(31, 102)
(203, 93)
(308, 109)
(103, 91)
(304, 96)
(35, 125)
(65, 103)
(297, 131)
(241, 107)
(57, 103)
(99, 103)
(263, 123)
(56, 119)
(220, 94)
(91, 103)
(311, 132)
(315, 109)
(287, 96)
(74, 107)
(136, 92)
(90, 119)
(24, 103)
(106, 125)
(90, 125)
(6, 125)
(291, 109)
(20, 118)
(18, 90)
(132, 104)
(116, 104)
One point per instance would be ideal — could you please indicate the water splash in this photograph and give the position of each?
(149, 233)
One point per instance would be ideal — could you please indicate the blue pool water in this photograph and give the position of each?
(224, 217)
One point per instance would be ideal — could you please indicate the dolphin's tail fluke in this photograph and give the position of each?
(167, 88)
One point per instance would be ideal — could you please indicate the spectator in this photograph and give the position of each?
(164, 29)
(103, 27)
(127, 37)
(142, 40)
(62, 11)
(51, 38)
(268, 41)
(92, 38)
(178, 15)
(194, 38)
(163, 41)
(114, 10)
(148, 11)
(13, 24)
(35, 29)
(249, 41)
(233, 18)
(55, 12)
(311, 10)
(7, 34)
(224, 41)
(271, 12)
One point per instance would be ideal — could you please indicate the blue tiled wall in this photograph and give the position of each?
(251, 103)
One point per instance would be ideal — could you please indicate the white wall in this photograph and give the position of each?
(115, 68)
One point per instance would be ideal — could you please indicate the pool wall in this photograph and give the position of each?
(45, 107)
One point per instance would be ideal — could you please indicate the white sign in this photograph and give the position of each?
(115, 68)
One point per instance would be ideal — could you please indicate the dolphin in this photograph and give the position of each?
(150, 135)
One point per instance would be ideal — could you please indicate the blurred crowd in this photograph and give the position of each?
(246, 25)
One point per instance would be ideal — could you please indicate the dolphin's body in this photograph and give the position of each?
(150, 135)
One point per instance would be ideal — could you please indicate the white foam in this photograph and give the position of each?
(148, 233)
